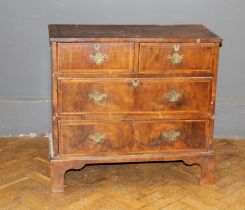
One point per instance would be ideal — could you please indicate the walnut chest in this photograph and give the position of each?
(132, 93)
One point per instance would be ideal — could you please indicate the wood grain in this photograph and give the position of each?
(163, 33)
(151, 95)
(131, 137)
(154, 57)
(76, 57)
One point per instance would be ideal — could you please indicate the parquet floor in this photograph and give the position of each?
(25, 182)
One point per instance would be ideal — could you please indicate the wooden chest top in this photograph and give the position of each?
(163, 33)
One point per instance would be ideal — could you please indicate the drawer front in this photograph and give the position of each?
(127, 137)
(181, 57)
(98, 96)
(95, 57)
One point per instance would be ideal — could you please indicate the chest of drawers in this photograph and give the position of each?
(132, 94)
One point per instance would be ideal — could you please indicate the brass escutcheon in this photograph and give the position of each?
(176, 58)
(98, 58)
(135, 83)
(97, 138)
(97, 96)
(172, 135)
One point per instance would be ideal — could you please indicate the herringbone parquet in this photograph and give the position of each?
(25, 182)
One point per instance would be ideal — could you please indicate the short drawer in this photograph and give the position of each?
(175, 57)
(98, 96)
(127, 137)
(95, 57)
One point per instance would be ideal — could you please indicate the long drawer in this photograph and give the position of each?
(127, 137)
(95, 96)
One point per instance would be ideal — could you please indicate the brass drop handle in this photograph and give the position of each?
(176, 58)
(174, 96)
(172, 135)
(98, 57)
(97, 97)
(97, 138)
